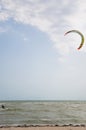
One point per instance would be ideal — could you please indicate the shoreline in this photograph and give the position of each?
(47, 125)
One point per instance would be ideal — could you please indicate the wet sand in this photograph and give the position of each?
(45, 128)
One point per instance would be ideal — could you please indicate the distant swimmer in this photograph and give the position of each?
(3, 106)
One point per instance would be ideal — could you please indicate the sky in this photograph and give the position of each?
(37, 62)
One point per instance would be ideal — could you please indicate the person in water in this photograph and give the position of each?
(3, 106)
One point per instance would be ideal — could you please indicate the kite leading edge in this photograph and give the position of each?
(82, 37)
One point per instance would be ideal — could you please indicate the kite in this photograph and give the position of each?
(82, 37)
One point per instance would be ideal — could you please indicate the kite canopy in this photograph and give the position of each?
(82, 37)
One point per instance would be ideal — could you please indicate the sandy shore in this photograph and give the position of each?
(44, 128)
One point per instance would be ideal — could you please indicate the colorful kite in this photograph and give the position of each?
(82, 37)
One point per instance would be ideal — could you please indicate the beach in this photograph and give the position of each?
(45, 128)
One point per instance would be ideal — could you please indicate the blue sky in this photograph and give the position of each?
(37, 61)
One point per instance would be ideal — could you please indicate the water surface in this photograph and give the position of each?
(43, 112)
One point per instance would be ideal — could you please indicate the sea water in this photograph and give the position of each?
(43, 112)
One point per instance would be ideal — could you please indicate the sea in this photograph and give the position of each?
(42, 113)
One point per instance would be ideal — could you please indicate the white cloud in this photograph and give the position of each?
(3, 16)
(53, 17)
